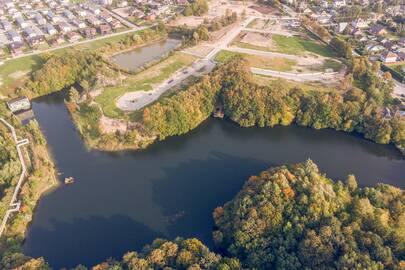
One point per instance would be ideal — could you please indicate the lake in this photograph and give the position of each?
(134, 59)
(122, 201)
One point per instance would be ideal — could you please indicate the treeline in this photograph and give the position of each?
(196, 8)
(193, 35)
(59, 72)
(40, 177)
(294, 217)
(249, 104)
(134, 40)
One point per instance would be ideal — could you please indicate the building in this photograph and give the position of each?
(49, 29)
(388, 57)
(19, 104)
(88, 32)
(16, 48)
(104, 29)
(73, 36)
(378, 30)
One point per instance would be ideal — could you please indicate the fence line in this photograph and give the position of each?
(14, 204)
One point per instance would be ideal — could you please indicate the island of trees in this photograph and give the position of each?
(287, 217)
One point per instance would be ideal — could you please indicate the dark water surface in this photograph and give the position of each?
(134, 59)
(122, 201)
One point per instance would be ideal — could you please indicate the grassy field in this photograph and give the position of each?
(141, 81)
(291, 45)
(14, 72)
(273, 63)
(308, 87)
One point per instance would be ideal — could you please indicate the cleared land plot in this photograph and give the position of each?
(295, 45)
(142, 81)
(12, 72)
(273, 63)
(288, 63)
(309, 87)
(260, 24)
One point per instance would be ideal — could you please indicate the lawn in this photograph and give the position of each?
(308, 87)
(273, 63)
(142, 81)
(14, 71)
(299, 46)
(292, 45)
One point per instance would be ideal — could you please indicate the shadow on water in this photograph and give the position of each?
(122, 201)
(98, 238)
(189, 192)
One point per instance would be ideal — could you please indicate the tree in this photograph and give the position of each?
(74, 95)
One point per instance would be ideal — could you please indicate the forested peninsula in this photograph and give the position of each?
(249, 104)
(287, 217)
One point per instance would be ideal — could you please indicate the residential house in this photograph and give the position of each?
(88, 32)
(68, 14)
(73, 36)
(115, 24)
(106, 16)
(401, 42)
(104, 29)
(16, 48)
(340, 27)
(13, 36)
(36, 40)
(378, 29)
(339, 3)
(49, 29)
(79, 24)
(6, 25)
(93, 21)
(359, 24)
(39, 19)
(388, 57)
(21, 22)
(29, 32)
(56, 40)
(64, 27)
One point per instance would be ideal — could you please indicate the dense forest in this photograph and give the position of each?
(40, 177)
(294, 217)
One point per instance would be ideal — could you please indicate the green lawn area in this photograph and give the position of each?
(292, 45)
(273, 63)
(308, 87)
(141, 81)
(13, 71)
(299, 46)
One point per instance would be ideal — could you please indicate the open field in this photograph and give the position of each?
(14, 71)
(306, 86)
(273, 63)
(295, 45)
(281, 62)
(143, 81)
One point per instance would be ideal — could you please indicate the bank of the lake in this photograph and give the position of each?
(121, 201)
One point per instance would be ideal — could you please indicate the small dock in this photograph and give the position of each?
(218, 111)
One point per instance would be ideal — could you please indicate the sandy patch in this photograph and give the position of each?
(18, 74)
(133, 101)
(200, 50)
(190, 21)
(109, 125)
(258, 39)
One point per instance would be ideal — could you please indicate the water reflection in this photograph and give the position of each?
(121, 201)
